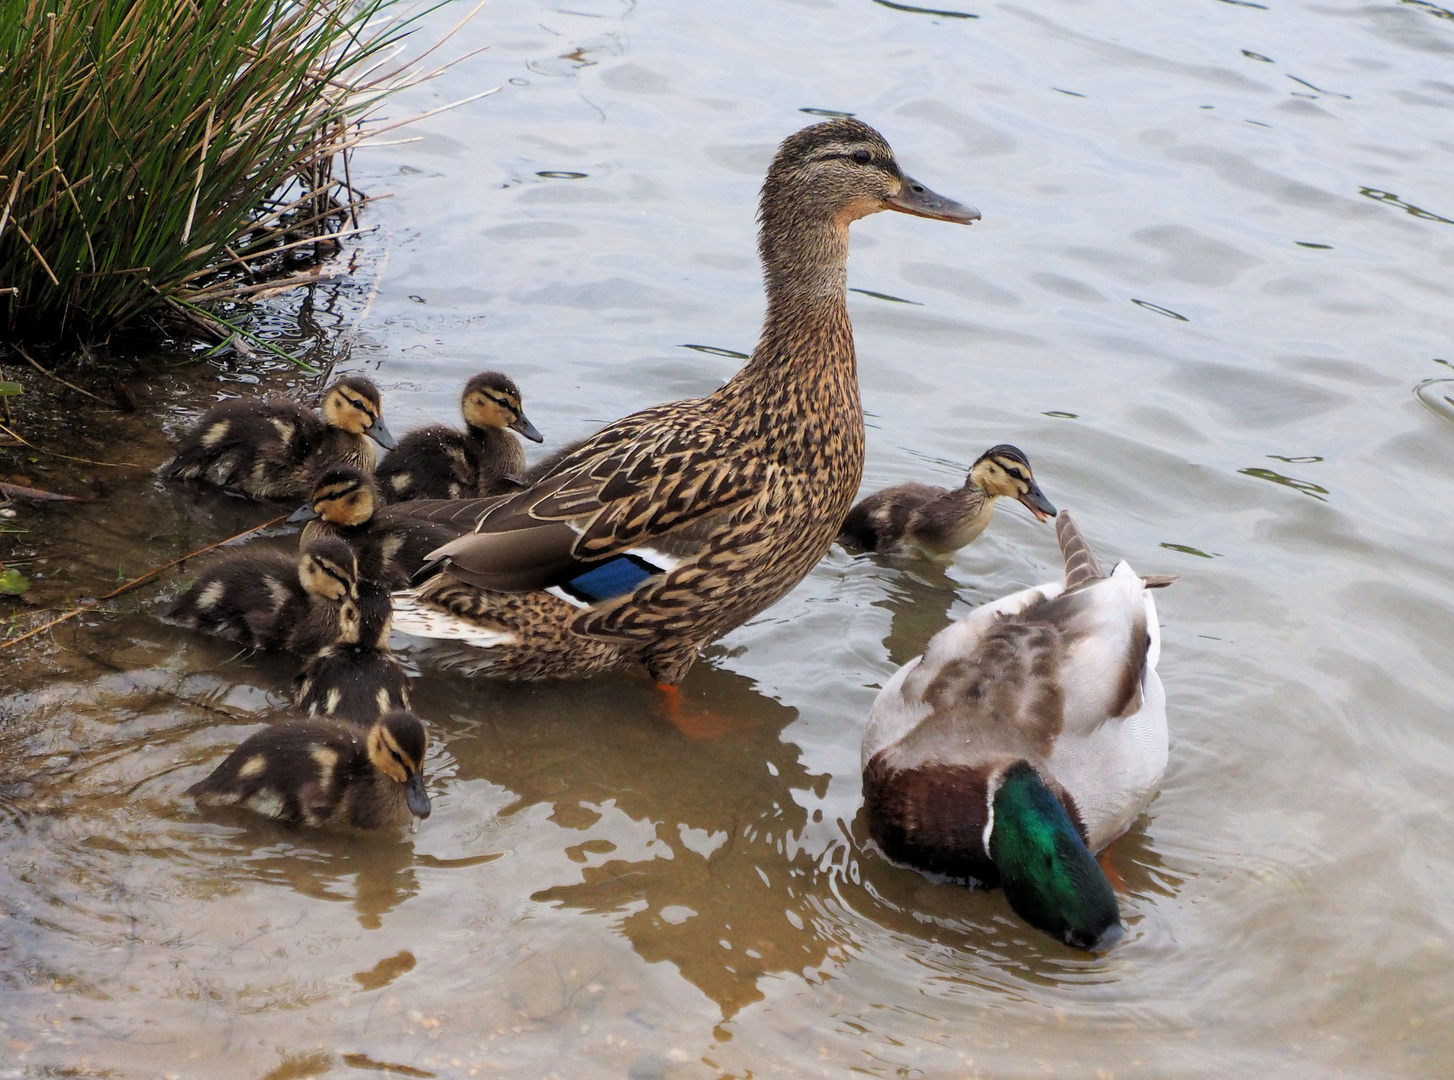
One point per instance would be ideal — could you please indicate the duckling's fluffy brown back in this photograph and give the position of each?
(255, 599)
(307, 772)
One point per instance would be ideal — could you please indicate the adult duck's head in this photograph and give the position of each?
(1049, 875)
(834, 173)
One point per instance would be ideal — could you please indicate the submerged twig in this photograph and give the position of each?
(133, 583)
(20, 491)
(70, 457)
(52, 375)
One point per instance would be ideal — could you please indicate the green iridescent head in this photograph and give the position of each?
(1049, 876)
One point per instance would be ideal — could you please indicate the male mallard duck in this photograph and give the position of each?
(274, 601)
(345, 502)
(668, 528)
(320, 772)
(920, 519)
(356, 679)
(1030, 734)
(270, 449)
(437, 462)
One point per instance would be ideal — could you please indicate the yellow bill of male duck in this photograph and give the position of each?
(672, 526)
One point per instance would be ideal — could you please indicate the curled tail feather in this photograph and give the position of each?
(1081, 567)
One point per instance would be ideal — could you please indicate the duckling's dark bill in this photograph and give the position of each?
(1036, 502)
(914, 198)
(526, 428)
(416, 797)
(380, 434)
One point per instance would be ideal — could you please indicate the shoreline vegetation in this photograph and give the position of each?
(165, 159)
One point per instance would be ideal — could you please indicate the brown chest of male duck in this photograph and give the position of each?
(670, 527)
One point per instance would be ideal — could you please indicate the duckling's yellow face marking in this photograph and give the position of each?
(1003, 471)
(491, 408)
(388, 757)
(1001, 476)
(346, 502)
(349, 623)
(324, 577)
(346, 408)
(252, 766)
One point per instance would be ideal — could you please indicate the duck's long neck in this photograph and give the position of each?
(806, 333)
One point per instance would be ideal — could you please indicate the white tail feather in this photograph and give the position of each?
(420, 620)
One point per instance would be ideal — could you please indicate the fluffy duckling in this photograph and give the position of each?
(270, 449)
(345, 502)
(275, 601)
(920, 519)
(357, 680)
(438, 462)
(1029, 735)
(321, 772)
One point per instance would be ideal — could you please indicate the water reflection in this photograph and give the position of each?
(700, 868)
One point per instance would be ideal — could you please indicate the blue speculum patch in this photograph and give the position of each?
(613, 578)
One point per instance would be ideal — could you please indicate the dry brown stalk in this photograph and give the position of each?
(134, 582)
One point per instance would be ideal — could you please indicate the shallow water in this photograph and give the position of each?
(1209, 298)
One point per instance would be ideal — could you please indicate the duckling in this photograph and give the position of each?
(357, 680)
(274, 601)
(271, 449)
(920, 519)
(345, 502)
(321, 772)
(437, 462)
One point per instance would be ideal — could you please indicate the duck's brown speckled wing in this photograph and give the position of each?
(640, 479)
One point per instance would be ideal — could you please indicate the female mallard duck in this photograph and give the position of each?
(275, 601)
(320, 772)
(668, 528)
(437, 462)
(356, 679)
(920, 519)
(270, 449)
(345, 502)
(1030, 734)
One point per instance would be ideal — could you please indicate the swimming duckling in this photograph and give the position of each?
(357, 680)
(270, 449)
(1030, 734)
(345, 502)
(321, 772)
(275, 601)
(438, 462)
(920, 519)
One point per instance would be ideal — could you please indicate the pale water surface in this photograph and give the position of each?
(1210, 290)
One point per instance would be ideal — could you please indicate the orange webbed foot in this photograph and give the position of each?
(700, 725)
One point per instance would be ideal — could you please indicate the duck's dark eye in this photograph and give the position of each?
(863, 157)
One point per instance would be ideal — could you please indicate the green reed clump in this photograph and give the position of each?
(151, 147)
